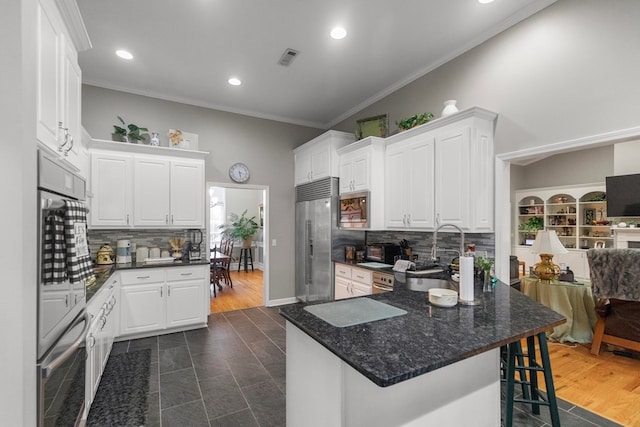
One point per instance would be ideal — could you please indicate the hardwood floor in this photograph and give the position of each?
(608, 385)
(247, 292)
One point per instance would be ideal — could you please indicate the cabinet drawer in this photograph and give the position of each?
(343, 271)
(142, 275)
(362, 276)
(185, 273)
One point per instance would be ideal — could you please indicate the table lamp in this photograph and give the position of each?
(547, 244)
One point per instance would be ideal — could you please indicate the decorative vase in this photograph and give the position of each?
(449, 107)
(487, 285)
(155, 139)
(246, 243)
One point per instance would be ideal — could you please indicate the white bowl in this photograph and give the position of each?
(443, 297)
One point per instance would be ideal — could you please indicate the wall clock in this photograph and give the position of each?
(239, 172)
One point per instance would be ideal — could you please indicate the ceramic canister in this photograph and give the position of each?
(123, 251)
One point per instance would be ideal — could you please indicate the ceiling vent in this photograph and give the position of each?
(287, 57)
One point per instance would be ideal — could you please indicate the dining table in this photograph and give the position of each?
(574, 301)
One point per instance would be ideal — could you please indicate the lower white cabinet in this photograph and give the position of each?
(351, 281)
(155, 299)
(103, 309)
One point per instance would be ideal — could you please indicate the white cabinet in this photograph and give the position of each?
(59, 79)
(442, 172)
(409, 183)
(354, 171)
(157, 299)
(103, 309)
(187, 191)
(318, 158)
(146, 191)
(351, 281)
(112, 190)
(151, 200)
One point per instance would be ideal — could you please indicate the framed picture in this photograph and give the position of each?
(372, 126)
(599, 244)
(589, 216)
(261, 215)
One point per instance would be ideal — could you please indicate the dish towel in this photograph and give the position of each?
(75, 232)
(54, 250)
(403, 265)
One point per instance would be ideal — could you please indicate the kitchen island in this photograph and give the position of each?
(431, 366)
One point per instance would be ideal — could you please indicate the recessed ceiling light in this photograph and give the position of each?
(338, 33)
(124, 54)
(234, 81)
(485, 1)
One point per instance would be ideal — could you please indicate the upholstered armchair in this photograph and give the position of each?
(615, 281)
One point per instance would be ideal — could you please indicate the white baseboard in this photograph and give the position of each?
(281, 301)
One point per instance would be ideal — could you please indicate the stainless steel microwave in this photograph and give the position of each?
(354, 210)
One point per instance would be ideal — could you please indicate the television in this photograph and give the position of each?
(623, 195)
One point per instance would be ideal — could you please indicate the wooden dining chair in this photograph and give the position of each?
(222, 266)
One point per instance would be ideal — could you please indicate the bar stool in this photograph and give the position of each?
(246, 255)
(516, 358)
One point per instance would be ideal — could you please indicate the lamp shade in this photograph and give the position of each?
(547, 242)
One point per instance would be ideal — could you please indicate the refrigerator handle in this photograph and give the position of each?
(309, 238)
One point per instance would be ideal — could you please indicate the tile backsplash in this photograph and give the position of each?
(145, 237)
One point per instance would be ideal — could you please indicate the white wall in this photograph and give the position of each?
(566, 72)
(237, 200)
(18, 213)
(626, 158)
(264, 146)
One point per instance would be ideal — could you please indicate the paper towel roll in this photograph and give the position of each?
(466, 278)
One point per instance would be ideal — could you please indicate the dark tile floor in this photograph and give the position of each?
(233, 374)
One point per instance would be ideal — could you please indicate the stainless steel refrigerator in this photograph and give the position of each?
(316, 226)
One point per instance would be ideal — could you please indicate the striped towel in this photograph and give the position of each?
(75, 231)
(54, 249)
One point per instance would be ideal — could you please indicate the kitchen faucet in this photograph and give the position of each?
(434, 248)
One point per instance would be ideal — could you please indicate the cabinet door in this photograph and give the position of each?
(361, 275)
(418, 188)
(321, 162)
(71, 106)
(49, 53)
(395, 209)
(302, 167)
(187, 194)
(346, 174)
(142, 308)
(151, 202)
(360, 167)
(452, 184)
(358, 289)
(184, 303)
(111, 183)
(342, 288)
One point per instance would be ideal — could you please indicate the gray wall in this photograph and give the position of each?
(265, 146)
(579, 167)
(568, 71)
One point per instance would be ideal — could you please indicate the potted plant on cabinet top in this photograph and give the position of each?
(240, 227)
(413, 121)
(133, 135)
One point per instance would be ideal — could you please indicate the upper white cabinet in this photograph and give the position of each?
(144, 190)
(60, 35)
(318, 158)
(442, 172)
(112, 190)
(409, 183)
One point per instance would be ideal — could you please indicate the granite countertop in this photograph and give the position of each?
(427, 337)
(103, 272)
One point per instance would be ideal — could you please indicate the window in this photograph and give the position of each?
(217, 214)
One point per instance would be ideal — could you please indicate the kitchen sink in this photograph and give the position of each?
(423, 284)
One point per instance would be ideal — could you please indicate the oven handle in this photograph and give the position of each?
(382, 287)
(47, 370)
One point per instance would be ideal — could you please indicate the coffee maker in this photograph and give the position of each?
(195, 237)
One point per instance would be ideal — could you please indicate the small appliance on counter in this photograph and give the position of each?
(350, 253)
(383, 252)
(105, 255)
(195, 237)
(123, 252)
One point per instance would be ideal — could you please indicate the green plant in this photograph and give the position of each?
(133, 130)
(534, 224)
(485, 263)
(239, 226)
(413, 121)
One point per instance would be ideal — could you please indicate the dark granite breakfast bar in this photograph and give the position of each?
(439, 352)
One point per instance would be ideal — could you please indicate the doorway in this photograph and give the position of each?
(250, 284)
